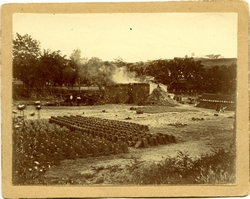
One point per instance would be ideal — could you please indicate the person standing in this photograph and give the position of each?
(71, 100)
(78, 99)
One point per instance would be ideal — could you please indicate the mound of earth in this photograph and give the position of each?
(160, 97)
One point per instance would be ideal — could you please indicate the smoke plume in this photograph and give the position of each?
(122, 76)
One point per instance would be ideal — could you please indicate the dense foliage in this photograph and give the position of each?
(42, 70)
(188, 75)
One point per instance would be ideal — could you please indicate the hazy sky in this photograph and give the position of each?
(133, 37)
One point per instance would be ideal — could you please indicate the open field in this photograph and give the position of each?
(198, 136)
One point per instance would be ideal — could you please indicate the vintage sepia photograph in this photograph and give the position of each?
(124, 99)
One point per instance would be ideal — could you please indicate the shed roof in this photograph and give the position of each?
(217, 97)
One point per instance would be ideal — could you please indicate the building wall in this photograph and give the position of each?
(117, 94)
(140, 93)
(127, 93)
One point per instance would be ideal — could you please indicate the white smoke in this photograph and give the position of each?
(122, 76)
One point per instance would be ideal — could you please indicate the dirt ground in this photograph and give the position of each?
(197, 137)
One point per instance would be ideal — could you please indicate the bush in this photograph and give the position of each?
(215, 168)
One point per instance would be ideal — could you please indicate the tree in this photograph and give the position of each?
(160, 70)
(26, 53)
(139, 69)
(224, 79)
(99, 73)
(52, 67)
(79, 64)
(193, 73)
(229, 78)
(119, 62)
(186, 74)
(69, 74)
(180, 74)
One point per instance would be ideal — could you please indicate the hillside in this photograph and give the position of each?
(218, 62)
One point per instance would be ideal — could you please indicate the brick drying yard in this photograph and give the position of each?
(197, 131)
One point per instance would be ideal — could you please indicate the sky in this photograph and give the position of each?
(134, 36)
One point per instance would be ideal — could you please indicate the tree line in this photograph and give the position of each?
(187, 75)
(38, 69)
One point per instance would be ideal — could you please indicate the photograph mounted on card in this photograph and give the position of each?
(125, 99)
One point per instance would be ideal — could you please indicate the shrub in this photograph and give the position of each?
(215, 168)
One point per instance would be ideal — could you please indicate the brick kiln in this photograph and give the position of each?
(132, 93)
